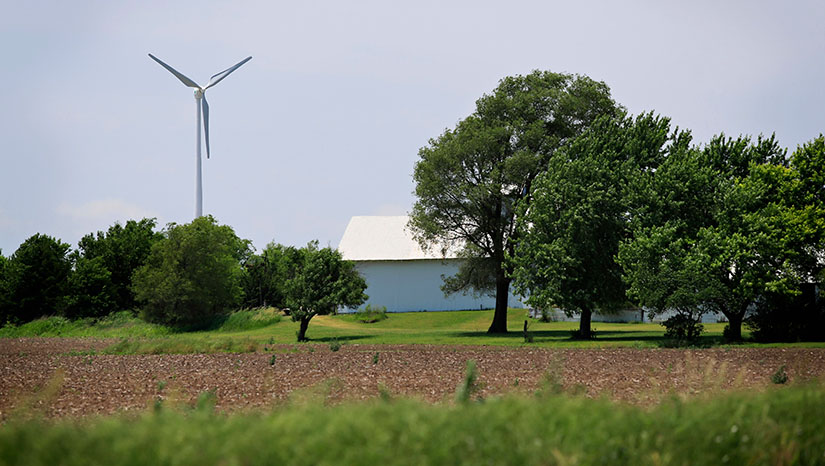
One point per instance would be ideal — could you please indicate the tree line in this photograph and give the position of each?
(550, 186)
(184, 276)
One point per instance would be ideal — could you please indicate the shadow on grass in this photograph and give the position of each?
(548, 336)
(340, 338)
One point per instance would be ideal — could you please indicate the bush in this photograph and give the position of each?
(780, 376)
(683, 327)
(248, 320)
(35, 280)
(784, 318)
(370, 314)
(192, 275)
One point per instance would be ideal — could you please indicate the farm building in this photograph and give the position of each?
(399, 274)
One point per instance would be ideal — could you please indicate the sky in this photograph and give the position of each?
(325, 122)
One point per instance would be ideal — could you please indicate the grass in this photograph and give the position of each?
(779, 426)
(253, 330)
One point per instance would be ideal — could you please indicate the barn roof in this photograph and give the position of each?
(373, 238)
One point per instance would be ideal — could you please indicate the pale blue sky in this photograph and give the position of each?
(326, 120)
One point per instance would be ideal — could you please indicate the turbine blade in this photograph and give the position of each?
(177, 74)
(206, 123)
(219, 77)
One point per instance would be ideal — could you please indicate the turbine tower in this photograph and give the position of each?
(200, 103)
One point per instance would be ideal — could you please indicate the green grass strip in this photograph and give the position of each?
(780, 426)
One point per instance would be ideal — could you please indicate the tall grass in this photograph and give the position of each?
(781, 426)
(116, 325)
(125, 325)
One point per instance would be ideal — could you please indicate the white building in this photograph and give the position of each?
(399, 274)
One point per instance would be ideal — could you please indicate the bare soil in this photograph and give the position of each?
(66, 377)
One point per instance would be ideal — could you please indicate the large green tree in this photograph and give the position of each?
(716, 237)
(36, 279)
(322, 282)
(581, 211)
(118, 252)
(4, 289)
(265, 275)
(192, 275)
(470, 179)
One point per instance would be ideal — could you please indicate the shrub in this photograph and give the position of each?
(780, 376)
(683, 327)
(192, 275)
(784, 318)
(370, 314)
(334, 345)
(250, 319)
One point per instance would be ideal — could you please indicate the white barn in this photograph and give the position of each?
(399, 274)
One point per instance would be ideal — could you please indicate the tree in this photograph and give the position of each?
(192, 275)
(265, 275)
(120, 251)
(580, 213)
(726, 243)
(798, 314)
(91, 291)
(470, 179)
(322, 282)
(5, 303)
(36, 279)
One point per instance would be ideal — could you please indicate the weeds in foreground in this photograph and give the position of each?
(779, 377)
(469, 385)
(334, 345)
(781, 426)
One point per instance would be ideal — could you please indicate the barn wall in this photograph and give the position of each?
(415, 285)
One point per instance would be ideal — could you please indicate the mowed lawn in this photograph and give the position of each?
(249, 331)
(462, 328)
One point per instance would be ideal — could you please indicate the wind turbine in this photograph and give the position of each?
(200, 102)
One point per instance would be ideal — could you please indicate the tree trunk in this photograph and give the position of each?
(735, 327)
(499, 324)
(584, 324)
(302, 331)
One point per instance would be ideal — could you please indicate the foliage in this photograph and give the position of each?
(5, 298)
(469, 385)
(683, 327)
(104, 264)
(265, 275)
(470, 179)
(780, 426)
(780, 317)
(780, 377)
(713, 234)
(249, 319)
(35, 280)
(578, 215)
(192, 275)
(91, 291)
(115, 325)
(322, 283)
(370, 315)
(334, 345)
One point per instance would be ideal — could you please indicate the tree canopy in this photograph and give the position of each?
(725, 242)
(36, 279)
(470, 179)
(119, 251)
(580, 213)
(322, 282)
(192, 275)
(265, 275)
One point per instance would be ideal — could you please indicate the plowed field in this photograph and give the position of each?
(62, 377)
